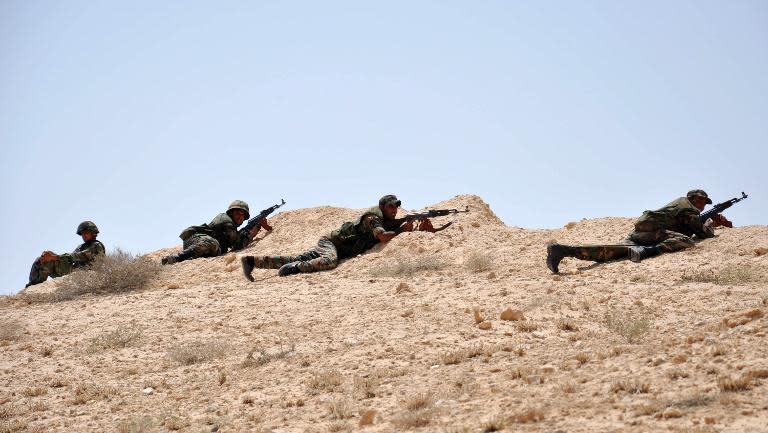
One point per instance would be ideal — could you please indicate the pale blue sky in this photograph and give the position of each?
(147, 116)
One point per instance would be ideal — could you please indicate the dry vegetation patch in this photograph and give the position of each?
(409, 266)
(257, 357)
(136, 424)
(117, 272)
(632, 326)
(478, 261)
(10, 330)
(734, 275)
(86, 392)
(631, 386)
(120, 337)
(198, 351)
(744, 382)
(327, 380)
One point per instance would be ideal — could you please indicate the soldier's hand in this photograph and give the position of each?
(426, 226)
(408, 226)
(254, 231)
(265, 225)
(48, 256)
(721, 221)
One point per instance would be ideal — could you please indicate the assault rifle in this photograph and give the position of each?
(256, 221)
(421, 216)
(718, 208)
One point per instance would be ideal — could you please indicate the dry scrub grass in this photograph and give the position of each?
(743, 383)
(136, 424)
(198, 351)
(419, 411)
(34, 391)
(264, 356)
(10, 330)
(460, 355)
(409, 266)
(632, 386)
(120, 337)
(12, 426)
(85, 393)
(567, 325)
(366, 387)
(633, 327)
(329, 381)
(340, 408)
(730, 275)
(478, 261)
(117, 272)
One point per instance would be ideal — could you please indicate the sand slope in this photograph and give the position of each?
(616, 347)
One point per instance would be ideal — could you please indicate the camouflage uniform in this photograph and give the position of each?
(213, 239)
(216, 238)
(80, 257)
(668, 229)
(351, 239)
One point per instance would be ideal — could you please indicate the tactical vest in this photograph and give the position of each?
(670, 217)
(350, 240)
(216, 229)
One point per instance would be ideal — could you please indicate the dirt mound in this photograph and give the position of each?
(462, 330)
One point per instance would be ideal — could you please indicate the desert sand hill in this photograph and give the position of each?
(407, 337)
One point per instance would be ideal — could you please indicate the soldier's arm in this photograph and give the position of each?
(86, 255)
(374, 225)
(236, 239)
(701, 230)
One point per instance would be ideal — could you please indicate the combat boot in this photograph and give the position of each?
(289, 269)
(176, 258)
(555, 254)
(637, 254)
(248, 263)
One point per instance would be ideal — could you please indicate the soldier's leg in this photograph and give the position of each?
(322, 258)
(675, 242)
(594, 253)
(54, 269)
(195, 246)
(39, 272)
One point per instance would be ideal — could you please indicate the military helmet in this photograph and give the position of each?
(87, 225)
(699, 193)
(389, 199)
(239, 204)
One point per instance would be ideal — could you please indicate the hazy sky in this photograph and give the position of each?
(147, 117)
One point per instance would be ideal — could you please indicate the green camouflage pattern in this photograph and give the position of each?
(354, 238)
(201, 245)
(80, 257)
(670, 228)
(322, 257)
(222, 228)
(679, 216)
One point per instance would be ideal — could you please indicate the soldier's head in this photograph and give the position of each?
(238, 211)
(699, 198)
(87, 230)
(388, 205)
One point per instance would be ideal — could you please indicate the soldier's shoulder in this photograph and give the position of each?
(222, 219)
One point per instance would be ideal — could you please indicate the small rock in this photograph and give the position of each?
(510, 314)
(402, 287)
(570, 225)
(538, 334)
(367, 418)
(229, 258)
(148, 391)
(761, 251)
(484, 325)
(670, 413)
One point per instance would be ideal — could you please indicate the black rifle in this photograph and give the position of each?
(256, 221)
(394, 224)
(718, 208)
